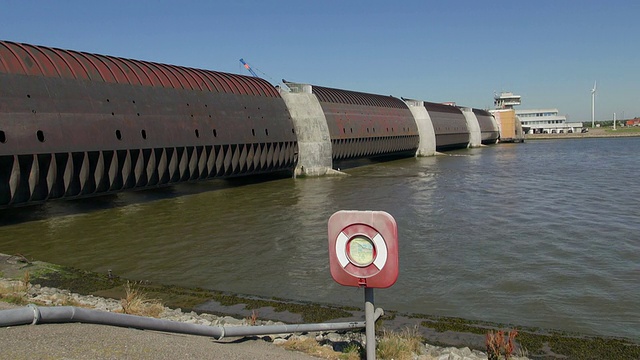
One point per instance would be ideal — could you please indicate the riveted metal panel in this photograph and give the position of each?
(44, 62)
(203, 81)
(5, 55)
(450, 126)
(365, 125)
(117, 69)
(163, 79)
(183, 77)
(76, 67)
(36, 60)
(87, 63)
(102, 66)
(74, 124)
(61, 66)
(488, 127)
(141, 75)
(11, 56)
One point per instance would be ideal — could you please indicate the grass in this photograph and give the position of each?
(16, 292)
(136, 302)
(626, 129)
(253, 318)
(311, 347)
(399, 345)
(403, 345)
(9, 294)
(499, 346)
(540, 343)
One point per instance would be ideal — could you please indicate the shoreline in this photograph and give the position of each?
(594, 133)
(439, 331)
(276, 345)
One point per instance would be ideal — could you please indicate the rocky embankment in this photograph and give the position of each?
(47, 296)
(456, 337)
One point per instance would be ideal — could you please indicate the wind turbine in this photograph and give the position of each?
(593, 106)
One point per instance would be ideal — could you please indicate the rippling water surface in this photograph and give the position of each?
(545, 233)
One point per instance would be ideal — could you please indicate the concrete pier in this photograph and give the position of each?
(475, 135)
(310, 124)
(427, 146)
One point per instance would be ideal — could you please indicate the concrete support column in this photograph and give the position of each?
(427, 146)
(496, 127)
(310, 124)
(475, 134)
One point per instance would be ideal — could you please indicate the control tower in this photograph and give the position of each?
(506, 100)
(505, 115)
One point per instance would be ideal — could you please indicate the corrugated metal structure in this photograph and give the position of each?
(74, 124)
(449, 125)
(365, 125)
(488, 126)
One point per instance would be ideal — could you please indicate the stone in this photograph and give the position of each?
(49, 296)
(279, 341)
(334, 337)
(465, 351)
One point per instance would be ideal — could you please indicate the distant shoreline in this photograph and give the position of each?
(593, 133)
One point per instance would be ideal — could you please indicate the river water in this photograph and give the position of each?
(545, 233)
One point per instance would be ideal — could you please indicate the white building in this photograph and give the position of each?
(546, 121)
(536, 121)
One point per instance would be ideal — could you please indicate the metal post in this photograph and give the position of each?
(370, 323)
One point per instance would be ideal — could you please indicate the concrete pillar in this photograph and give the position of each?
(496, 127)
(475, 134)
(314, 142)
(427, 146)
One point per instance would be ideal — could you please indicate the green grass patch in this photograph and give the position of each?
(541, 344)
(579, 347)
(399, 345)
(75, 280)
(626, 130)
(14, 299)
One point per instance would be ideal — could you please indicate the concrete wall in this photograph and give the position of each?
(427, 146)
(310, 124)
(475, 134)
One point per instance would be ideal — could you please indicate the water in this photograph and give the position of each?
(544, 233)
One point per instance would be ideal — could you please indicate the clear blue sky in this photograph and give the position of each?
(550, 52)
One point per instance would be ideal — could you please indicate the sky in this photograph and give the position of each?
(548, 51)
